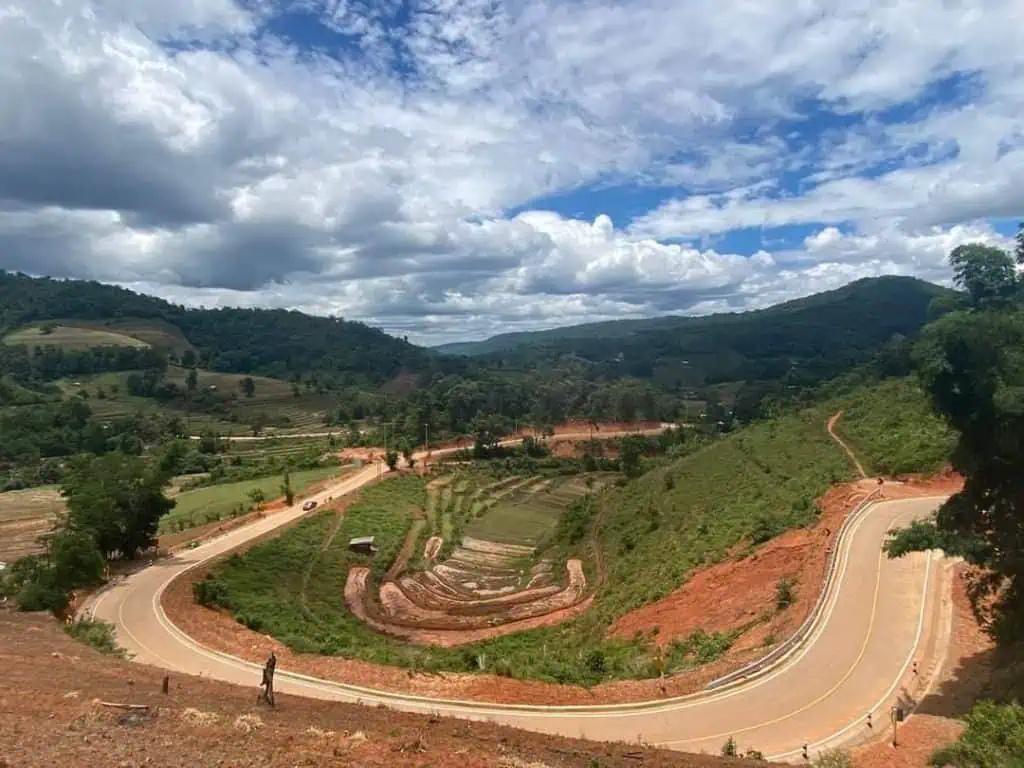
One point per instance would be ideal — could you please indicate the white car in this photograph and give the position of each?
(309, 505)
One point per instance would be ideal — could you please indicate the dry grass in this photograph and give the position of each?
(71, 337)
(24, 517)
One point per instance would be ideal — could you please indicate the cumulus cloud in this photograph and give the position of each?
(363, 158)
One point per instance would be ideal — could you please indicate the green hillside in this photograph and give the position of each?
(275, 343)
(810, 339)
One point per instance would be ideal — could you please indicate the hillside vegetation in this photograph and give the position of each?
(812, 338)
(652, 532)
(276, 343)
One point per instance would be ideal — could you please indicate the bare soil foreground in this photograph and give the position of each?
(52, 715)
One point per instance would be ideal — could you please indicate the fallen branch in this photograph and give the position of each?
(115, 705)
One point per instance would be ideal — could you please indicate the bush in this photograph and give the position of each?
(729, 748)
(784, 594)
(994, 738)
(43, 593)
(210, 592)
(98, 634)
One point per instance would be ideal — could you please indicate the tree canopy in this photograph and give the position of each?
(971, 363)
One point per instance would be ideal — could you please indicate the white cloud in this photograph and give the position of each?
(197, 149)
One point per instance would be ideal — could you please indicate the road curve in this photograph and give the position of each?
(877, 619)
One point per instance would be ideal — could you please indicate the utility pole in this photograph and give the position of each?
(426, 443)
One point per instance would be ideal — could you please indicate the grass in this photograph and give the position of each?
(518, 521)
(746, 487)
(71, 337)
(206, 505)
(892, 429)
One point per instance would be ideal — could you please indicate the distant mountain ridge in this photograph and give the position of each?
(618, 329)
(799, 342)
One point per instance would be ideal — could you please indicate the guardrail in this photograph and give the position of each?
(780, 652)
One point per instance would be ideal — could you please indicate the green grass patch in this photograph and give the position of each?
(892, 429)
(206, 505)
(517, 521)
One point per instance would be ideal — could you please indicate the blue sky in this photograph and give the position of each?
(449, 169)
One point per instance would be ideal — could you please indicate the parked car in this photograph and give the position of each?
(309, 505)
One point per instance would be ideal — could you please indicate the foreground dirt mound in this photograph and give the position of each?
(52, 715)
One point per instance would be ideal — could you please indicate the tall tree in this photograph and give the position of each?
(117, 500)
(986, 273)
(971, 363)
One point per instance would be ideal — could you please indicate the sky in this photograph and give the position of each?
(451, 169)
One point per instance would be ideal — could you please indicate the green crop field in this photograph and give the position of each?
(656, 530)
(71, 337)
(205, 505)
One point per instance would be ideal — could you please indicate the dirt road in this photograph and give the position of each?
(878, 618)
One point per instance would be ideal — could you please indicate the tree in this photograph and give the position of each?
(209, 442)
(192, 380)
(729, 749)
(286, 489)
(117, 500)
(986, 273)
(257, 497)
(248, 386)
(391, 458)
(629, 456)
(971, 366)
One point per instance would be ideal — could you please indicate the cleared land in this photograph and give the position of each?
(274, 403)
(71, 337)
(216, 502)
(52, 716)
(24, 517)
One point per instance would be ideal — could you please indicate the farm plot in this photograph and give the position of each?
(24, 517)
(206, 505)
(70, 337)
(483, 562)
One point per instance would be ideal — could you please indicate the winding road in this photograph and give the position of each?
(884, 627)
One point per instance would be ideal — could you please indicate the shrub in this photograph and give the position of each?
(994, 737)
(784, 594)
(98, 634)
(729, 748)
(210, 592)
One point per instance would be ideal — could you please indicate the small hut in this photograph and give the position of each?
(362, 545)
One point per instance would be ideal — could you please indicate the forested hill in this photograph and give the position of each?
(276, 343)
(821, 335)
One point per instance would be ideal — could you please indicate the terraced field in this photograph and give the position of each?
(482, 562)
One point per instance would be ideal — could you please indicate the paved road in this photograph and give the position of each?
(878, 619)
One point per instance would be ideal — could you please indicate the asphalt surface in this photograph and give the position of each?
(879, 617)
